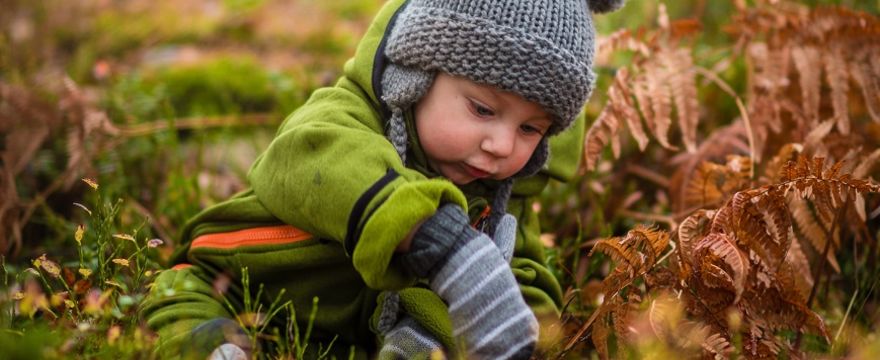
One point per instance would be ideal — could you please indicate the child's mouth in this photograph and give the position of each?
(475, 172)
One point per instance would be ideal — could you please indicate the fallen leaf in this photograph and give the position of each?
(78, 236)
(124, 237)
(122, 262)
(91, 183)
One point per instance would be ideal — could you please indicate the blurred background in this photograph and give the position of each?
(164, 104)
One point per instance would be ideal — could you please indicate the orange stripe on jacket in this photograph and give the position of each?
(267, 235)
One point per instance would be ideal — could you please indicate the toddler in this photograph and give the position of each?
(401, 197)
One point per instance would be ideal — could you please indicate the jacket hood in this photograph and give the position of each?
(369, 61)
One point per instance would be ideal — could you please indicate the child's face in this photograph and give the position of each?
(471, 131)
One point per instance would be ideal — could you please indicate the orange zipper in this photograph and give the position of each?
(267, 235)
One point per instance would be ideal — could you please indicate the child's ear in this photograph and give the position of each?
(604, 6)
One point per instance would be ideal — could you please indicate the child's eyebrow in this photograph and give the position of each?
(495, 93)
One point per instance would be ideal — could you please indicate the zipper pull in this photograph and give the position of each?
(480, 222)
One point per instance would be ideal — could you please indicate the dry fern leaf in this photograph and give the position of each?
(837, 76)
(623, 316)
(656, 79)
(690, 231)
(717, 345)
(814, 138)
(641, 91)
(771, 73)
(622, 252)
(775, 216)
(703, 188)
(683, 85)
(601, 331)
(657, 239)
(774, 169)
(638, 250)
(621, 101)
(808, 227)
(603, 131)
(735, 264)
(868, 80)
(800, 266)
(808, 62)
(864, 168)
(751, 228)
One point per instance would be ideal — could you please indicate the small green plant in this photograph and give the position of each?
(255, 318)
(90, 304)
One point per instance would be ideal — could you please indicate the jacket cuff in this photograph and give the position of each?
(435, 239)
(390, 217)
(357, 217)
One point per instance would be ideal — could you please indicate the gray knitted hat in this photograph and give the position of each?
(541, 50)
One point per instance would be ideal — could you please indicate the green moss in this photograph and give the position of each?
(223, 86)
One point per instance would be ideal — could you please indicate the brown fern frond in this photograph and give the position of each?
(759, 222)
(800, 267)
(809, 228)
(773, 171)
(603, 131)
(733, 264)
(657, 239)
(622, 40)
(837, 77)
(702, 189)
(602, 330)
(623, 253)
(656, 79)
(638, 250)
(717, 345)
(868, 163)
(807, 61)
(868, 80)
(623, 315)
(776, 218)
(814, 139)
(683, 84)
(691, 230)
(620, 99)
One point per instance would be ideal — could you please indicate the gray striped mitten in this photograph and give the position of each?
(408, 340)
(467, 270)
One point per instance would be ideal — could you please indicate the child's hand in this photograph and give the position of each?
(466, 269)
(409, 340)
(219, 338)
(505, 236)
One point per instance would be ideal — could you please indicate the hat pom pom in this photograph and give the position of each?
(604, 6)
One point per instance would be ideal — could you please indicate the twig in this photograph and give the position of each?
(649, 217)
(195, 123)
(829, 235)
(577, 337)
(742, 110)
(648, 174)
(158, 224)
(845, 317)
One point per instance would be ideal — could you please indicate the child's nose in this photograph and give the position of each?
(499, 143)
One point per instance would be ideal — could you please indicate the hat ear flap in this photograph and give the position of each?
(604, 6)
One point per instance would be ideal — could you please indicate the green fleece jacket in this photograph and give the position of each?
(331, 173)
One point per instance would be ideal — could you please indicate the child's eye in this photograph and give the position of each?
(481, 110)
(529, 130)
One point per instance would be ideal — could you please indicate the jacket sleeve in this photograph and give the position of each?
(331, 172)
(179, 301)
